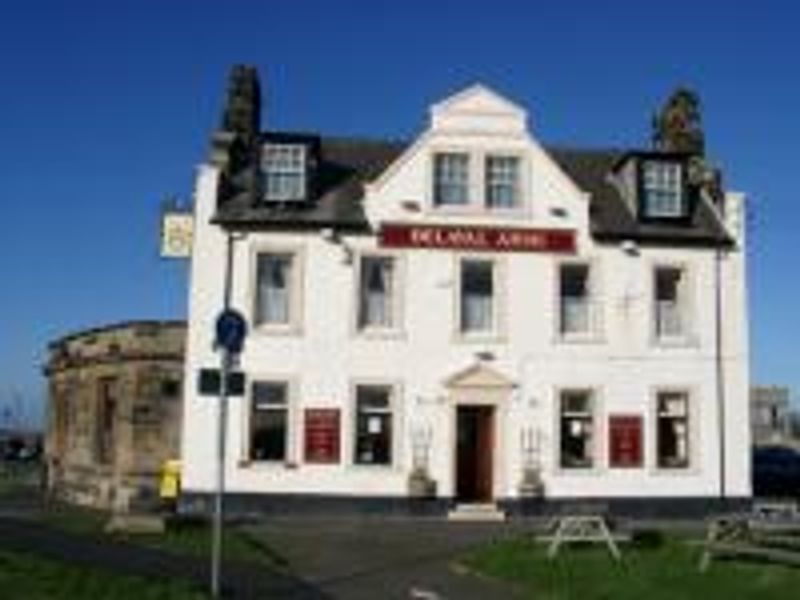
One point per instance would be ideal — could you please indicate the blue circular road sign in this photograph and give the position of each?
(231, 330)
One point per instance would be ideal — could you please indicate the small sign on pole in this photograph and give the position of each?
(209, 382)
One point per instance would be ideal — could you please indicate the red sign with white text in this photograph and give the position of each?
(625, 441)
(495, 239)
(322, 435)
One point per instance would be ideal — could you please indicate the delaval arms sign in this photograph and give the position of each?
(494, 239)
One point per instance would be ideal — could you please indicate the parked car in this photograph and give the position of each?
(776, 472)
(16, 450)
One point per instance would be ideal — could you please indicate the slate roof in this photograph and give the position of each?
(611, 217)
(345, 164)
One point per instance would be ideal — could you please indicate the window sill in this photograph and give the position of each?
(683, 341)
(277, 330)
(590, 338)
(246, 463)
(477, 210)
(372, 333)
(479, 338)
(667, 217)
(501, 212)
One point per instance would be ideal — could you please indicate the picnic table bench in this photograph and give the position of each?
(583, 524)
(770, 533)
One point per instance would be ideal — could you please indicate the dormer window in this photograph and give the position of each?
(451, 179)
(502, 181)
(284, 170)
(662, 189)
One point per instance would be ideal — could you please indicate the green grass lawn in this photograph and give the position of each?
(31, 578)
(667, 572)
(16, 476)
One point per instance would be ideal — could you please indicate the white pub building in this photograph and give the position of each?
(469, 318)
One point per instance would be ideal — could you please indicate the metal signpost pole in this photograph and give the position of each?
(216, 542)
(222, 428)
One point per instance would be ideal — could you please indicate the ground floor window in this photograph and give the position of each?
(373, 427)
(269, 421)
(672, 430)
(576, 429)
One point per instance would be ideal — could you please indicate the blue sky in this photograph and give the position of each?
(107, 107)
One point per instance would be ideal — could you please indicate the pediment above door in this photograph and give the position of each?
(479, 376)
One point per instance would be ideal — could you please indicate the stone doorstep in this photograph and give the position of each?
(135, 523)
(476, 512)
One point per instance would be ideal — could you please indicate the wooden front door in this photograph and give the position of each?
(474, 453)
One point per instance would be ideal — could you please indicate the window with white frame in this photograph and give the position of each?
(574, 309)
(672, 430)
(477, 296)
(450, 179)
(670, 302)
(373, 426)
(269, 420)
(576, 429)
(274, 284)
(502, 181)
(376, 293)
(662, 189)
(283, 168)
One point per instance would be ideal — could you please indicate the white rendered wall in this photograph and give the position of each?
(326, 357)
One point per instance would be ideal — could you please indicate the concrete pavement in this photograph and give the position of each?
(374, 558)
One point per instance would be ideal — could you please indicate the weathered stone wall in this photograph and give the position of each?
(114, 412)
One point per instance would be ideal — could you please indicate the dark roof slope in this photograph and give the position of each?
(345, 164)
(611, 216)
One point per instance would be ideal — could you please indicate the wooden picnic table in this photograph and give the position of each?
(768, 535)
(582, 528)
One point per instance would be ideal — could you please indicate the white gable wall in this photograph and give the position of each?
(480, 123)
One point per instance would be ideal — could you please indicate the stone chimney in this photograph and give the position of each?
(677, 126)
(243, 107)
(232, 143)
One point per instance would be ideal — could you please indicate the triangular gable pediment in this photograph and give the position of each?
(478, 107)
(478, 376)
(477, 99)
